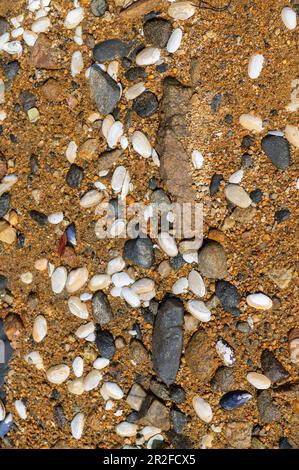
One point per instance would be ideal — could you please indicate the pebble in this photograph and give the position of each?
(38, 217)
(92, 380)
(77, 63)
(259, 301)
(99, 281)
(101, 363)
(167, 244)
(293, 338)
(74, 18)
(130, 297)
(4, 26)
(110, 49)
(104, 90)
(41, 25)
(282, 215)
(141, 144)
(215, 183)
(267, 410)
(223, 379)
(101, 309)
(277, 150)
(78, 366)
(292, 135)
(58, 374)
(115, 265)
(11, 69)
(174, 41)
(26, 278)
(76, 279)
(112, 390)
(122, 279)
(135, 73)
(145, 104)
(255, 65)
(180, 286)
(256, 196)
(236, 177)
(78, 308)
(148, 56)
(251, 122)
(21, 409)
(76, 387)
(234, 399)
(98, 7)
(197, 159)
(105, 344)
(55, 218)
(90, 199)
(139, 251)
(237, 196)
(212, 260)
(199, 310)
(2, 411)
(35, 358)
(85, 330)
(4, 204)
(259, 381)
(58, 279)
(40, 328)
(202, 409)
(126, 429)
(272, 368)
(181, 10)
(225, 352)
(157, 32)
(289, 18)
(77, 426)
(229, 297)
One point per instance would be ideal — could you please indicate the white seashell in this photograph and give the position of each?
(13, 47)
(41, 25)
(4, 38)
(91, 337)
(155, 158)
(115, 265)
(259, 381)
(259, 301)
(77, 63)
(181, 10)
(76, 279)
(58, 374)
(236, 177)
(71, 151)
(143, 286)
(126, 186)
(40, 328)
(149, 431)
(153, 440)
(126, 429)
(58, 279)
(199, 310)
(180, 286)
(237, 196)
(289, 18)
(113, 69)
(148, 56)
(141, 144)
(118, 178)
(35, 358)
(167, 244)
(99, 281)
(146, 296)
(196, 283)
(130, 297)
(76, 387)
(202, 409)
(78, 308)
(84, 330)
(115, 133)
(292, 135)
(191, 258)
(124, 142)
(17, 32)
(90, 199)
(255, 65)
(78, 366)
(92, 380)
(30, 38)
(197, 159)
(226, 353)
(74, 18)
(134, 91)
(55, 218)
(122, 279)
(2, 411)
(21, 409)
(106, 125)
(116, 291)
(101, 363)
(85, 296)
(109, 405)
(77, 425)
(112, 390)
(250, 122)
(174, 41)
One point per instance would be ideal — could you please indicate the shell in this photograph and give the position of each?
(122, 279)
(35, 358)
(196, 283)
(141, 144)
(148, 56)
(225, 352)
(197, 159)
(76, 280)
(251, 122)
(92, 380)
(255, 65)
(180, 286)
(99, 281)
(84, 330)
(55, 218)
(30, 38)
(113, 69)
(71, 234)
(126, 429)
(112, 390)
(74, 18)
(78, 308)
(78, 366)
(130, 297)
(167, 244)
(21, 409)
(181, 10)
(58, 279)
(124, 142)
(40, 328)
(153, 441)
(77, 63)
(292, 135)
(134, 91)
(202, 409)
(77, 425)
(101, 363)
(259, 381)
(199, 310)
(41, 25)
(259, 301)
(149, 431)
(58, 374)
(118, 178)
(108, 121)
(2, 411)
(289, 18)
(235, 399)
(174, 41)
(115, 265)
(76, 387)
(90, 199)
(114, 134)
(236, 177)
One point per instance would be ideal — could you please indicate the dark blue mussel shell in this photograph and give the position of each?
(235, 399)
(71, 234)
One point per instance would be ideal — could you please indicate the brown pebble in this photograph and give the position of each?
(13, 328)
(43, 55)
(53, 90)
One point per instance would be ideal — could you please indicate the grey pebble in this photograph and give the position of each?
(139, 251)
(146, 104)
(157, 32)
(74, 176)
(98, 7)
(101, 309)
(277, 150)
(4, 204)
(104, 90)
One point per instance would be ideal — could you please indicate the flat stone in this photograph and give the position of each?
(201, 357)
(11, 69)
(98, 7)
(267, 410)
(272, 368)
(43, 55)
(104, 90)
(212, 260)
(237, 196)
(277, 150)
(101, 309)
(223, 380)
(158, 416)
(178, 421)
(146, 104)
(238, 434)
(140, 252)
(229, 297)
(105, 343)
(157, 32)
(110, 49)
(136, 397)
(281, 277)
(135, 73)
(108, 159)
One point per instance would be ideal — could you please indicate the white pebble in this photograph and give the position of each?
(114, 134)
(108, 121)
(77, 425)
(17, 32)
(113, 69)
(4, 38)
(99, 282)
(76, 279)
(250, 122)
(41, 25)
(2, 411)
(35, 358)
(124, 142)
(255, 65)
(237, 196)
(77, 63)
(180, 286)
(167, 244)
(76, 386)
(259, 381)
(40, 328)
(58, 279)
(116, 291)
(292, 135)
(259, 301)
(143, 286)
(181, 10)
(26, 278)
(126, 429)
(174, 41)
(90, 199)
(289, 18)
(92, 380)
(71, 151)
(236, 177)
(77, 308)
(196, 283)
(199, 310)
(121, 279)
(21, 409)
(112, 390)
(197, 159)
(134, 91)
(191, 258)
(115, 265)
(148, 56)
(30, 38)
(58, 374)
(85, 296)
(13, 48)
(55, 218)
(74, 18)
(84, 330)
(101, 363)
(202, 409)
(130, 297)
(78, 366)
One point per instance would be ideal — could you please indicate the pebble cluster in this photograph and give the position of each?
(166, 330)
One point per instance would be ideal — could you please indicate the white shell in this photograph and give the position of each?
(41, 25)
(237, 196)
(17, 32)
(101, 363)
(106, 125)
(92, 380)
(40, 328)
(197, 159)
(90, 199)
(292, 134)
(289, 18)
(118, 178)
(259, 381)
(191, 257)
(78, 366)
(236, 177)
(250, 122)
(117, 228)
(116, 291)
(2, 411)
(58, 279)
(148, 56)
(141, 144)
(126, 429)
(99, 281)
(180, 286)
(202, 409)
(130, 297)
(58, 374)
(259, 301)
(77, 425)
(76, 387)
(71, 151)
(76, 280)
(112, 390)
(152, 441)
(181, 10)
(30, 38)
(77, 307)
(121, 279)
(149, 431)
(174, 41)
(35, 358)
(4, 38)
(26, 278)
(124, 142)
(114, 134)
(115, 265)
(21, 409)
(77, 63)
(74, 18)
(255, 65)
(134, 91)
(196, 283)
(85, 330)
(55, 218)
(113, 69)
(199, 310)
(143, 285)
(167, 244)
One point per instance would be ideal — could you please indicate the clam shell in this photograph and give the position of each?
(199, 310)
(40, 328)
(77, 425)
(148, 56)
(181, 10)
(141, 144)
(58, 374)
(174, 41)
(259, 301)
(202, 409)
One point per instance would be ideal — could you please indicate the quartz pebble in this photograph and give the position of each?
(112, 390)
(197, 159)
(55, 218)
(76, 280)
(78, 366)
(251, 122)
(74, 18)
(21, 409)
(115, 265)
(199, 310)
(180, 286)
(92, 380)
(259, 381)
(181, 10)
(101, 363)
(76, 387)
(78, 308)
(122, 279)
(76, 63)
(58, 374)
(40, 328)
(77, 425)
(134, 91)
(85, 330)
(255, 65)
(99, 281)
(259, 301)
(289, 18)
(226, 353)
(202, 409)
(130, 297)
(41, 25)
(58, 279)
(35, 358)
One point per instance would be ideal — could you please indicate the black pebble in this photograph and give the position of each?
(134, 73)
(3, 282)
(153, 184)
(39, 217)
(284, 443)
(282, 215)
(11, 69)
(146, 104)
(178, 421)
(215, 183)
(246, 161)
(33, 164)
(256, 196)
(110, 49)
(247, 141)
(229, 297)
(177, 262)
(4, 25)
(139, 251)
(228, 119)
(133, 417)
(74, 176)
(105, 343)
(20, 240)
(4, 204)
(27, 100)
(161, 68)
(216, 102)
(177, 394)
(157, 31)
(277, 150)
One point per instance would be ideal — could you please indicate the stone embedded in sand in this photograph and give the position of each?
(76, 280)
(289, 18)
(43, 55)
(92, 380)
(212, 260)
(101, 309)
(294, 345)
(136, 397)
(104, 90)
(237, 196)
(58, 374)
(40, 328)
(277, 150)
(272, 368)
(200, 356)
(292, 135)
(78, 308)
(250, 122)
(181, 10)
(7, 233)
(77, 425)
